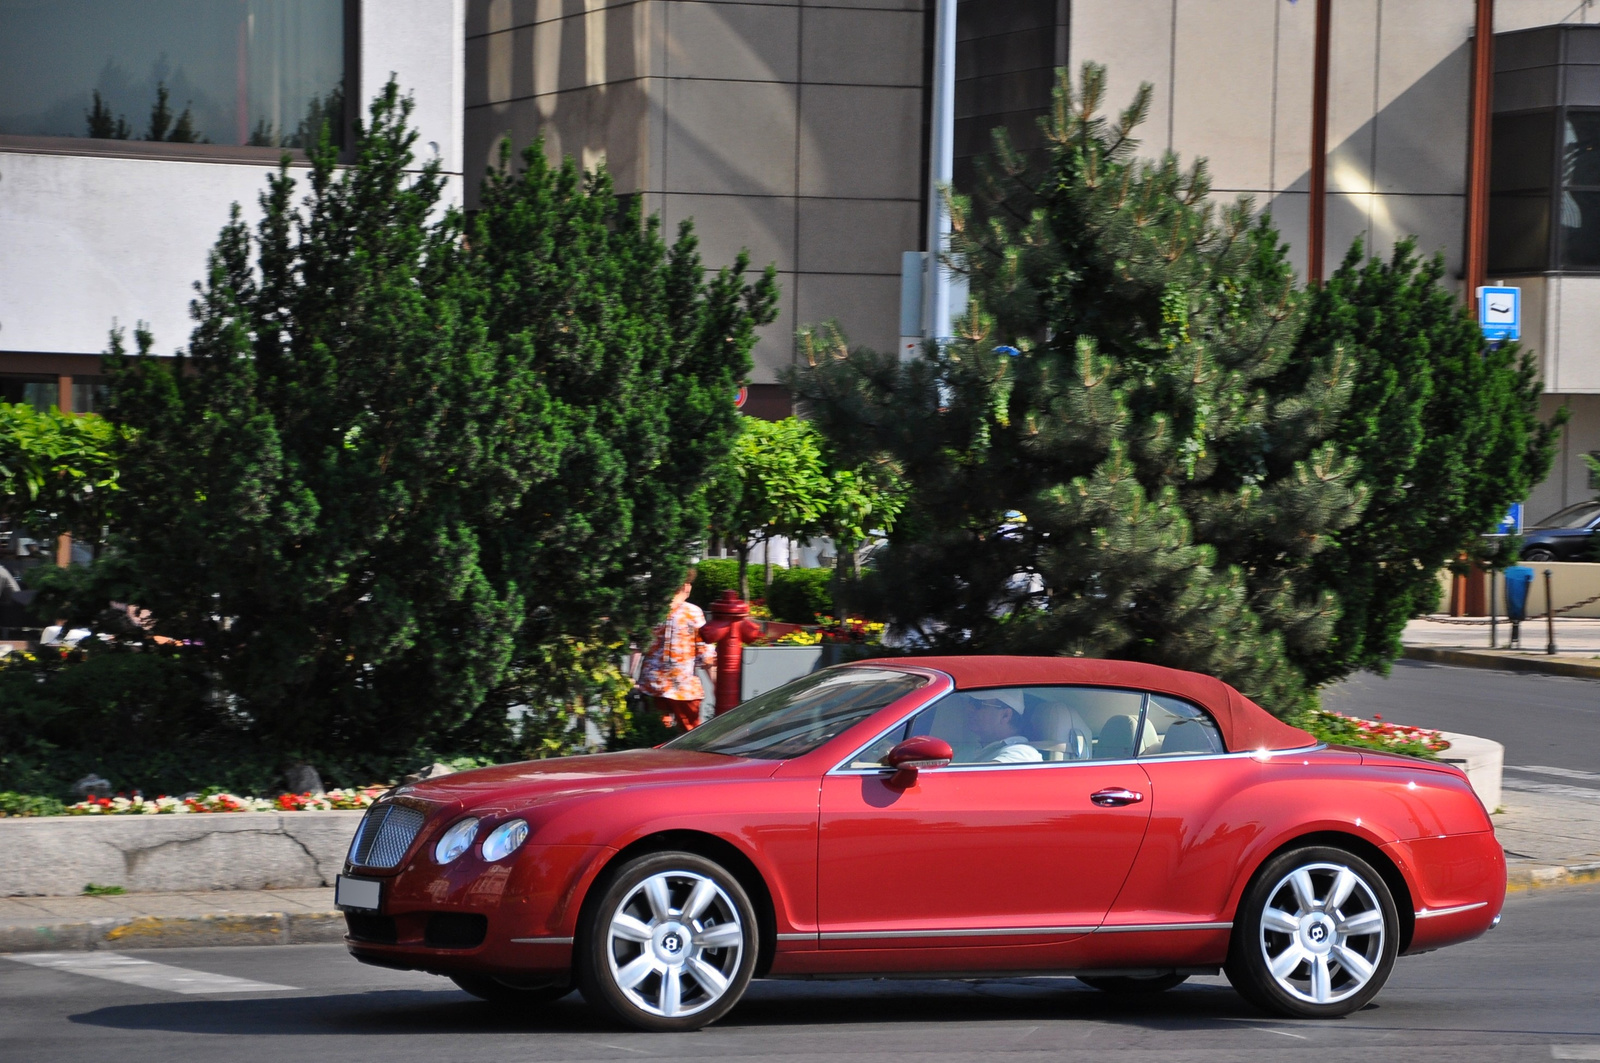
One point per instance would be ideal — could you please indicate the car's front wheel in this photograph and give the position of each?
(670, 944)
(1315, 935)
(1538, 554)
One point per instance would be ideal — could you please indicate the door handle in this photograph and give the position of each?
(1116, 796)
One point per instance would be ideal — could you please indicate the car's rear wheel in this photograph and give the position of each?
(1124, 985)
(1315, 935)
(498, 991)
(670, 944)
(1538, 553)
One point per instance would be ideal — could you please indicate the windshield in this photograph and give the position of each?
(1577, 516)
(798, 717)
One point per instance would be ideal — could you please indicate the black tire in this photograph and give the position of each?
(1342, 958)
(1538, 554)
(688, 967)
(1122, 985)
(500, 992)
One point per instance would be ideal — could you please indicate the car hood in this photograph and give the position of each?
(536, 781)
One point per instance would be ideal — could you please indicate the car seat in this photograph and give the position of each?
(1189, 736)
(1058, 731)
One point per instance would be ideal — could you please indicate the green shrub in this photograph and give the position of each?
(797, 595)
(15, 804)
(715, 576)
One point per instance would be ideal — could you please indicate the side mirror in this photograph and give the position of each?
(923, 751)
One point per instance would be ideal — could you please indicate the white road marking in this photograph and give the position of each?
(1575, 1051)
(1251, 1023)
(1564, 773)
(116, 967)
(1526, 786)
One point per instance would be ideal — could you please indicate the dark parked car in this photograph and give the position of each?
(1565, 535)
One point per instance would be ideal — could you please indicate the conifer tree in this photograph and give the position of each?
(411, 472)
(1447, 432)
(1116, 456)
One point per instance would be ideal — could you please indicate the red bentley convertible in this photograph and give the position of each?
(1124, 823)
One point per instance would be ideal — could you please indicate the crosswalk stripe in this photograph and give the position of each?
(129, 970)
(1561, 773)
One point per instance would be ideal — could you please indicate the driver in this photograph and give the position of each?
(997, 723)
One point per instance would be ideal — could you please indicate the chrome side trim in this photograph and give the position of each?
(798, 937)
(541, 941)
(1426, 914)
(977, 932)
(1132, 928)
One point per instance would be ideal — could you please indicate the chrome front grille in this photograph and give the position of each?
(386, 832)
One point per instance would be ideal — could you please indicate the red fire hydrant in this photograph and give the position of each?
(729, 629)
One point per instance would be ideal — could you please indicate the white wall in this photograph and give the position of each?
(86, 242)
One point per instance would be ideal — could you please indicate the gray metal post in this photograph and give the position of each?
(941, 170)
(1493, 637)
(1549, 615)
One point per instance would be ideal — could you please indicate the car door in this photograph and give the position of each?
(983, 852)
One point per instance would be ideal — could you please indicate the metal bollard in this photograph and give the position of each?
(1549, 615)
(1493, 635)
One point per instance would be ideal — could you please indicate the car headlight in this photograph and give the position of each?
(504, 840)
(456, 840)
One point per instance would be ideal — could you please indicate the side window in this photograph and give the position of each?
(1174, 726)
(1028, 725)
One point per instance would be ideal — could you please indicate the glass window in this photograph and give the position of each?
(89, 394)
(1028, 725)
(1521, 166)
(1177, 727)
(798, 717)
(1577, 516)
(41, 392)
(236, 72)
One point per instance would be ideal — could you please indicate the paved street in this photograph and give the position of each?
(1550, 725)
(1526, 991)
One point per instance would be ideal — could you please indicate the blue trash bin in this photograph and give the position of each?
(1518, 579)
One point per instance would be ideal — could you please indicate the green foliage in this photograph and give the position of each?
(92, 890)
(798, 595)
(24, 805)
(1150, 477)
(411, 474)
(775, 484)
(1447, 432)
(714, 575)
(58, 472)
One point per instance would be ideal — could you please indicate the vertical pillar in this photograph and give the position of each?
(941, 170)
(1478, 136)
(1317, 218)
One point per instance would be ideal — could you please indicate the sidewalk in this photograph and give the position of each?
(169, 920)
(1464, 642)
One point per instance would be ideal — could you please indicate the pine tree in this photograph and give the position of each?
(308, 478)
(160, 115)
(102, 124)
(637, 350)
(1116, 456)
(1446, 429)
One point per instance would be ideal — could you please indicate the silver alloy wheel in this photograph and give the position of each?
(1322, 933)
(674, 943)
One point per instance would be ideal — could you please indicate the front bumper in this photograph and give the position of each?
(512, 918)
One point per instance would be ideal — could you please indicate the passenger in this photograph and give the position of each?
(998, 725)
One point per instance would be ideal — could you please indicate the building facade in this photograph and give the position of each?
(799, 129)
(127, 132)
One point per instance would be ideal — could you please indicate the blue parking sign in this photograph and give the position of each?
(1500, 313)
(1511, 523)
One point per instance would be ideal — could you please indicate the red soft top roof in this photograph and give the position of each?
(1245, 725)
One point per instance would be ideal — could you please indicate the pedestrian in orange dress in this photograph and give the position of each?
(668, 671)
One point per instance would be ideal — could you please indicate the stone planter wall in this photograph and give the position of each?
(1482, 760)
(59, 855)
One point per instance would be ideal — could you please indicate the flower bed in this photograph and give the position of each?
(830, 630)
(138, 805)
(1336, 728)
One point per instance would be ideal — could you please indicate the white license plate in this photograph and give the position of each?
(357, 893)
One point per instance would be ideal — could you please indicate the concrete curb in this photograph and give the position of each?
(1565, 666)
(172, 932)
(1520, 879)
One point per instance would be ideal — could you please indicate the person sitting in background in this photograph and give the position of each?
(58, 634)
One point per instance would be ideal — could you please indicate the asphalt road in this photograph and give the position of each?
(1526, 991)
(1550, 725)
